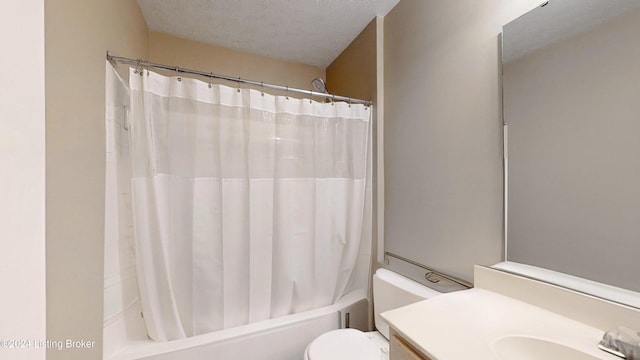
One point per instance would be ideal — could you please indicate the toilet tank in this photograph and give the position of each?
(391, 291)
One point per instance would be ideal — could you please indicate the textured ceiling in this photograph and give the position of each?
(558, 20)
(311, 32)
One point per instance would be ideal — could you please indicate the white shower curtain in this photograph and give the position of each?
(247, 206)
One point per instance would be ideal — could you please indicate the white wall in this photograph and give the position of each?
(443, 131)
(22, 182)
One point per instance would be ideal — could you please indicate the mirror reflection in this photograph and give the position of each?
(571, 82)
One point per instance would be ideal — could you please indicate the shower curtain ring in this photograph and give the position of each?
(239, 81)
(287, 93)
(262, 88)
(211, 81)
(310, 95)
(138, 69)
(177, 69)
(333, 98)
(349, 102)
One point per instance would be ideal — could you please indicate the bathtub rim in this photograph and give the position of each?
(138, 349)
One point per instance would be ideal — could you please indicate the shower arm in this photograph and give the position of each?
(146, 64)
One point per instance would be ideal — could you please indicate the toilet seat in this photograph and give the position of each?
(345, 344)
(390, 291)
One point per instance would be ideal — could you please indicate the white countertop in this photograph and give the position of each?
(466, 324)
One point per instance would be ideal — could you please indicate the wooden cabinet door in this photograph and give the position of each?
(401, 349)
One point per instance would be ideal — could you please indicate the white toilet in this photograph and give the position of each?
(390, 291)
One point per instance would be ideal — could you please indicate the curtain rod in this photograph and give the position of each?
(177, 69)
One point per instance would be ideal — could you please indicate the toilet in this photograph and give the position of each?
(390, 291)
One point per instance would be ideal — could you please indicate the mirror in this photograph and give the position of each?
(571, 90)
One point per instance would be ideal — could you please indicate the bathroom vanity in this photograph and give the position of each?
(572, 200)
(506, 316)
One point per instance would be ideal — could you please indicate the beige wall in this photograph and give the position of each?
(171, 50)
(22, 183)
(572, 109)
(353, 72)
(443, 131)
(77, 35)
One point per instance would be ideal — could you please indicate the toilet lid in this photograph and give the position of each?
(344, 344)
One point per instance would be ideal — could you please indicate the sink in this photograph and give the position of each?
(529, 348)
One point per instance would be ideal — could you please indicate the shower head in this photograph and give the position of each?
(319, 85)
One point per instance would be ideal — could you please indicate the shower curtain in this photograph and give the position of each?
(247, 206)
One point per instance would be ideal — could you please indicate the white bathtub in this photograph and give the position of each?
(283, 338)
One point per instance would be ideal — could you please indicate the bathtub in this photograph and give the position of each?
(284, 338)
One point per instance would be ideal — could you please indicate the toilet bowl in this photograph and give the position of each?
(390, 291)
